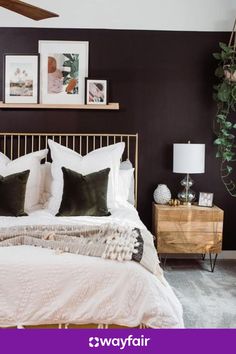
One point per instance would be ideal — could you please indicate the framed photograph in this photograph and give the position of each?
(205, 199)
(96, 91)
(21, 78)
(63, 68)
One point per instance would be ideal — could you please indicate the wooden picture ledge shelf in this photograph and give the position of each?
(110, 106)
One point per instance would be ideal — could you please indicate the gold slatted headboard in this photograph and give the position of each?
(18, 144)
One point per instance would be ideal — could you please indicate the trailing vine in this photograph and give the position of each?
(225, 123)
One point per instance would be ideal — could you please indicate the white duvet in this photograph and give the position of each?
(39, 286)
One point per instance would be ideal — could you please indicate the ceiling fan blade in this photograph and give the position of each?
(22, 8)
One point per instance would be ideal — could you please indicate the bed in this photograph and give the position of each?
(40, 287)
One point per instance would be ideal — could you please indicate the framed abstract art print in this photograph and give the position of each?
(64, 66)
(96, 91)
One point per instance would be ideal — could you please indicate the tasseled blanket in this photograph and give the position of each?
(108, 241)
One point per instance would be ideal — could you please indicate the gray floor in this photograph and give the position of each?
(208, 299)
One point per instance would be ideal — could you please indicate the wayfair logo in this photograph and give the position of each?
(130, 341)
(94, 342)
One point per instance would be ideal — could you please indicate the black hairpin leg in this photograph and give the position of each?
(203, 256)
(213, 262)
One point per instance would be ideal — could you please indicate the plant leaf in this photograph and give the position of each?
(224, 47)
(217, 56)
(221, 116)
(219, 72)
(218, 141)
(228, 125)
(227, 156)
(233, 93)
(229, 169)
(231, 136)
(224, 92)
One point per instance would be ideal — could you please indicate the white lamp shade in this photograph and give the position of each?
(189, 158)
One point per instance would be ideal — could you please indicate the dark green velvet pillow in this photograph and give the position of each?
(84, 195)
(12, 194)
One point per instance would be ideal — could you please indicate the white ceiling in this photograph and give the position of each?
(187, 15)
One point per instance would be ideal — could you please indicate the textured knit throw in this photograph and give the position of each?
(107, 241)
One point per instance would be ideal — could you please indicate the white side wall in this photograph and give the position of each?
(182, 15)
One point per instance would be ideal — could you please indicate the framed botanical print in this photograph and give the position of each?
(96, 91)
(64, 66)
(21, 78)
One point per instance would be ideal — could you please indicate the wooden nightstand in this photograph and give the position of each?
(188, 229)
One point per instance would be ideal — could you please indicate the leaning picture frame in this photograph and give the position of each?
(96, 91)
(205, 199)
(64, 66)
(21, 78)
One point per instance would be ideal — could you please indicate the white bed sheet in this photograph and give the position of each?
(39, 286)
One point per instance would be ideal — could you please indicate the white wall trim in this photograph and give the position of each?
(222, 255)
(227, 255)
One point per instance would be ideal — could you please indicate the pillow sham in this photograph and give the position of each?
(46, 182)
(84, 195)
(126, 181)
(12, 194)
(29, 162)
(94, 161)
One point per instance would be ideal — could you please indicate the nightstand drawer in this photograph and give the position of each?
(189, 237)
(201, 248)
(190, 214)
(190, 226)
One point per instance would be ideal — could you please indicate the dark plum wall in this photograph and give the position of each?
(163, 81)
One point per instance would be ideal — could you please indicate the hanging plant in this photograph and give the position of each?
(225, 122)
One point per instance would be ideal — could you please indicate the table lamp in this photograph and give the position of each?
(188, 158)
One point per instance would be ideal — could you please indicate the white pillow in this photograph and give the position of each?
(125, 179)
(46, 182)
(126, 165)
(126, 182)
(27, 162)
(94, 161)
